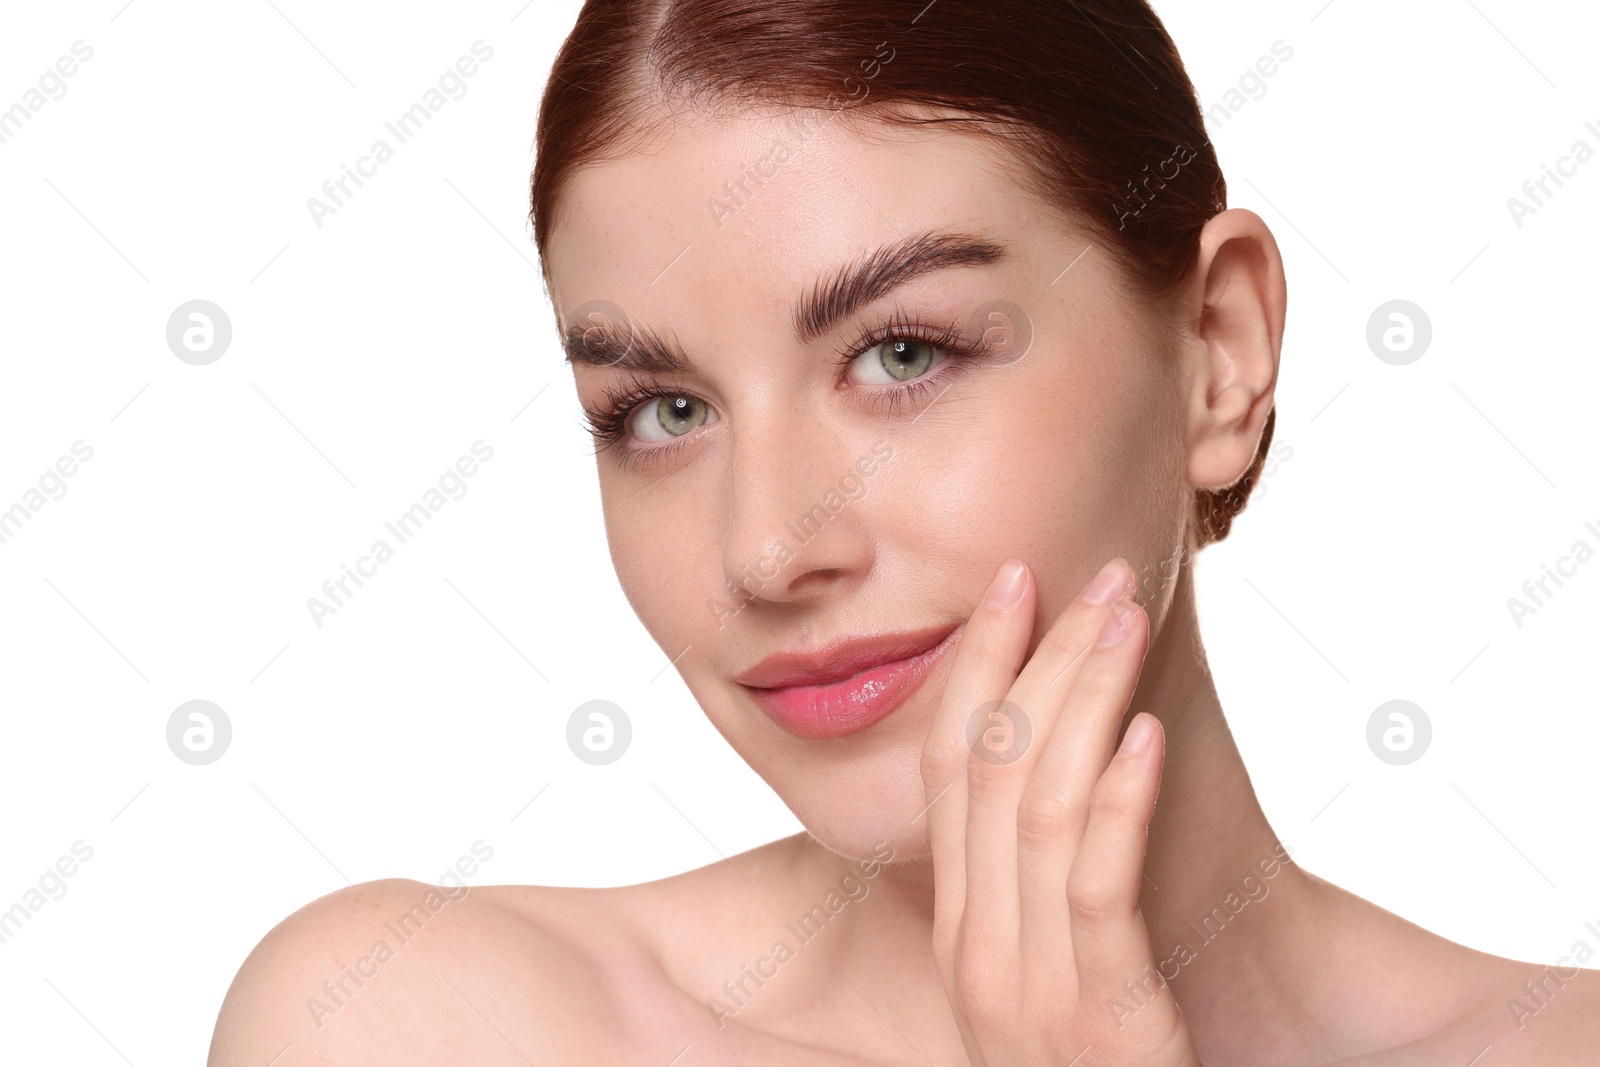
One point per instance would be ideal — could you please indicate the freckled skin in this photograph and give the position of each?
(1088, 447)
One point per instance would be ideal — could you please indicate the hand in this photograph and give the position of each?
(1038, 836)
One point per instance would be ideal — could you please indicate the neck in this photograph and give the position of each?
(1209, 838)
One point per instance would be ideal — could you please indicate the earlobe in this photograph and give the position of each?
(1237, 318)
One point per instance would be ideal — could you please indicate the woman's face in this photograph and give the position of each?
(779, 499)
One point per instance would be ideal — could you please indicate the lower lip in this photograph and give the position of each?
(845, 707)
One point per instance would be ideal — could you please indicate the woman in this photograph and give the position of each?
(923, 355)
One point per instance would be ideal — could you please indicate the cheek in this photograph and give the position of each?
(1065, 470)
(661, 560)
(1022, 476)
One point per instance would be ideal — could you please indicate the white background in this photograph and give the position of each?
(368, 354)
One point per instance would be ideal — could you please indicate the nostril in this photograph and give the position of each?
(821, 576)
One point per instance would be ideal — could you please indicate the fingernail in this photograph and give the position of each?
(1104, 587)
(1118, 624)
(1140, 731)
(1007, 587)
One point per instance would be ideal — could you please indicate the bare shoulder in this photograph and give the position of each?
(397, 971)
(1541, 1015)
(1516, 1015)
(1417, 999)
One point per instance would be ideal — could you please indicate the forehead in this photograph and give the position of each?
(742, 214)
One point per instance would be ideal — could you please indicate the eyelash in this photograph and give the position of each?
(608, 423)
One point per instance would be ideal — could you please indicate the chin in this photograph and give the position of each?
(857, 796)
(863, 809)
(885, 842)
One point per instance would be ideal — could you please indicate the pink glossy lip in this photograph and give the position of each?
(848, 685)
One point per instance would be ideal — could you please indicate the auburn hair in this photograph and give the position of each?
(1090, 95)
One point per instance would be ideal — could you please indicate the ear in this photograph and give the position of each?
(1235, 318)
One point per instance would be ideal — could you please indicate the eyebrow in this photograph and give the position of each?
(829, 301)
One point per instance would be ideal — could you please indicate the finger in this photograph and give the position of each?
(1111, 943)
(1059, 820)
(999, 777)
(984, 664)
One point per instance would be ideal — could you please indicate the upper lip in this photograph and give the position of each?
(842, 658)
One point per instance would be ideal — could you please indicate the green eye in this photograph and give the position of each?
(905, 359)
(895, 360)
(672, 415)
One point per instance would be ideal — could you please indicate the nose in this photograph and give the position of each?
(796, 527)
